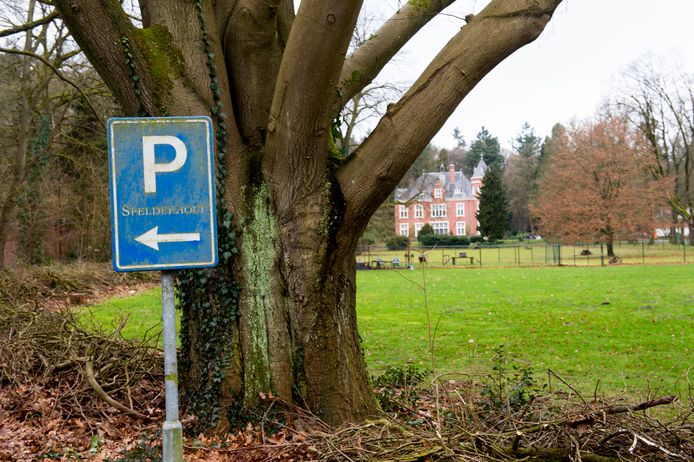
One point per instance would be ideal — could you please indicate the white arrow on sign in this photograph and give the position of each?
(152, 238)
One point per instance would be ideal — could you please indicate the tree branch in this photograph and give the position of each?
(61, 77)
(100, 27)
(30, 25)
(298, 127)
(368, 60)
(252, 47)
(91, 380)
(376, 167)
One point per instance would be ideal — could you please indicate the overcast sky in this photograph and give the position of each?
(566, 73)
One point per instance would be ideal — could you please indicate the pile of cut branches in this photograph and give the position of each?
(454, 421)
(59, 380)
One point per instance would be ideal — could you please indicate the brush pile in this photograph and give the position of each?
(60, 380)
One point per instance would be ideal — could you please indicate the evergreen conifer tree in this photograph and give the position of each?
(493, 213)
(484, 147)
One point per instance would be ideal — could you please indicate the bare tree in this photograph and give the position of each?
(659, 101)
(280, 314)
(23, 126)
(46, 88)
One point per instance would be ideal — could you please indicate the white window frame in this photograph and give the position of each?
(460, 226)
(439, 227)
(404, 212)
(417, 228)
(438, 210)
(418, 211)
(460, 209)
(438, 193)
(404, 229)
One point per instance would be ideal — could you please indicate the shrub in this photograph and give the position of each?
(397, 242)
(398, 386)
(426, 230)
(510, 385)
(443, 240)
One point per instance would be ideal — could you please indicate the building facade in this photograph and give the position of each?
(447, 200)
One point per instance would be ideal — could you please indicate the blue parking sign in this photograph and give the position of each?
(162, 193)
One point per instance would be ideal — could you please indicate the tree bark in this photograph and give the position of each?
(291, 329)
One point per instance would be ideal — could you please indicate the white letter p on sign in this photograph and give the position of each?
(151, 168)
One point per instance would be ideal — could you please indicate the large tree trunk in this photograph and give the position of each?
(296, 334)
(279, 313)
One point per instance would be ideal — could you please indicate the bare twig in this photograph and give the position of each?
(568, 385)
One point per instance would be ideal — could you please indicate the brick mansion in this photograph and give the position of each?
(447, 200)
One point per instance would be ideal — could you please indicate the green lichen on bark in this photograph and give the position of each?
(258, 254)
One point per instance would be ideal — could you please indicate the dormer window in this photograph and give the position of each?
(438, 193)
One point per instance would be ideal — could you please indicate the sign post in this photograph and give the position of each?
(172, 431)
(163, 217)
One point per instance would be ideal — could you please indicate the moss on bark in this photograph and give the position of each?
(164, 61)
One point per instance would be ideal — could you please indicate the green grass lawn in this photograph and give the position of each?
(142, 310)
(630, 327)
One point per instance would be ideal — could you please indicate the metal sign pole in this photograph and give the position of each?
(172, 431)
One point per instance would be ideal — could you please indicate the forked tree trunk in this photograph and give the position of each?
(279, 315)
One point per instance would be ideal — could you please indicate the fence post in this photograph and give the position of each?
(684, 250)
(602, 255)
(643, 253)
(480, 255)
(559, 250)
(575, 254)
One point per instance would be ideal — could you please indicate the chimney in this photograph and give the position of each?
(451, 174)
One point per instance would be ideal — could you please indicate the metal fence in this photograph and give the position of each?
(522, 254)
